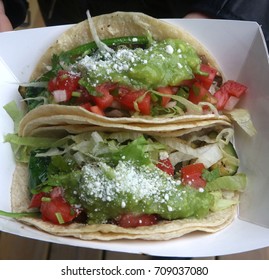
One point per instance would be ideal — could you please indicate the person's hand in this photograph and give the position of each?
(196, 15)
(5, 24)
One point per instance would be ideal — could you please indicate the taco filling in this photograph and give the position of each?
(131, 179)
(134, 76)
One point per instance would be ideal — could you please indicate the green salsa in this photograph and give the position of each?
(167, 62)
(138, 189)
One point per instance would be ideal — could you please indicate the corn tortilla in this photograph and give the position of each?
(109, 26)
(164, 230)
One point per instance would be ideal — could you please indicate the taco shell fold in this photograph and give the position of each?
(117, 24)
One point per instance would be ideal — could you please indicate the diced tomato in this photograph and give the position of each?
(166, 166)
(57, 206)
(222, 97)
(128, 100)
(86, 106)
(106, 99)
(199, 94)
(95, 109)
(84, 97)
(64, 81)
(227, 90)
(206, 80)
(53, 207)
(132, 220)
(166, 90)
(234, 88)
(52, 85)
(36, 200)
(192, 175)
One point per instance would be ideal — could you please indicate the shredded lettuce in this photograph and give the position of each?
(221, 203)
(22, 146)
(192, 109)
(34, 142)
(236, 182)
(15, 113)
(208, 154)
(243, 119)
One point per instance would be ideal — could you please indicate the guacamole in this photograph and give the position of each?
(167, 62)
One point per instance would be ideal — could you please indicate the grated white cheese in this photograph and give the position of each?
(169, 49)
(169, 208)
(141, 182)
(120, 61)
(179, 65)
(163, 155)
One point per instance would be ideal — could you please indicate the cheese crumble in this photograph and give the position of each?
(142, 182)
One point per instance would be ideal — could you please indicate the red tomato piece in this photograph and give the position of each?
(86, 106)
(166, 166)
(36, 200)
(199, 94)
(95, 109)
(84, 97)
(192, 175)
(227, 90)
(106, 99)
(132, 220)
(52, 85)
(222, 97)
(57, 206)
(64, 81)
(206, 81)
(166, 90)
(234, 88)
(140, 97)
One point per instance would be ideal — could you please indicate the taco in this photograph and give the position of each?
(128, 185)
(135, 69)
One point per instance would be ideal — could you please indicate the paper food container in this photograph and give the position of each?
(240, 50)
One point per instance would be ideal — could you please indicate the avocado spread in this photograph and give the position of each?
(167, 62)
(106, 193)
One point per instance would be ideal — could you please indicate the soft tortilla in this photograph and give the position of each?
(63, 130)
(108, 26)
(59, 115)
(118, 24)
(70, 121)
(162, 231)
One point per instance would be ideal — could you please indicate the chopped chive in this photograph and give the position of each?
(18, 215)
(59, 218)
(45, 199)
(76, 94)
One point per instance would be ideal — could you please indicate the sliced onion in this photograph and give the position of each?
(231, 103)
(171, 104)
(59, 95)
